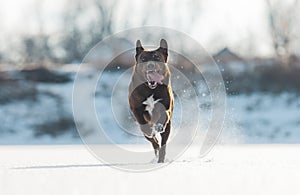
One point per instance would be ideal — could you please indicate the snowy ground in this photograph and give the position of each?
(235, 169)
(259, 118)
(255, 118)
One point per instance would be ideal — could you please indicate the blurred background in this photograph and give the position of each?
(256, 45)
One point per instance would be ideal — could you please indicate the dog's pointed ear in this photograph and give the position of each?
(139, 48)
(163, 48)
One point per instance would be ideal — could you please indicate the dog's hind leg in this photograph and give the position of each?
(154, 143)
(164, 139)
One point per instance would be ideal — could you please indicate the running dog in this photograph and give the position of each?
(150, 95)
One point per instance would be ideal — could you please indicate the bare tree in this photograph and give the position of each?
(283, 20)
(79, 40)
(106, 11)
(72, 37)
(36, 47)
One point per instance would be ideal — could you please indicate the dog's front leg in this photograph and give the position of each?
(147, 130)
(144, 124)
(160, 117)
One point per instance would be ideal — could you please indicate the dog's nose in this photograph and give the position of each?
(150, 66)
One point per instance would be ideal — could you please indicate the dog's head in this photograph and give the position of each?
(151, 66)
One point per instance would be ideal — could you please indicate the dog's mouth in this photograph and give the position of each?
(154, 78)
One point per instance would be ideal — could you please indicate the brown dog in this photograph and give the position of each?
(150, 95)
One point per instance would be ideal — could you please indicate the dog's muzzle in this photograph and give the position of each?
(153, 78)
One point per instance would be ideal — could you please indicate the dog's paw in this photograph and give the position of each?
(154, 160)
(159, 128)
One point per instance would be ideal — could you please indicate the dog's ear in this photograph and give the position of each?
(139, 48)
(163, 48)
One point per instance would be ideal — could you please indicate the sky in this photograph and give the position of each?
(239, 24)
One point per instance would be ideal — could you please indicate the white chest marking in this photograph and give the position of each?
(150, 103)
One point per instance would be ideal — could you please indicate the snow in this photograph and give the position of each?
(230, 169)
(267, 118)
(245, 168)
(255, 118)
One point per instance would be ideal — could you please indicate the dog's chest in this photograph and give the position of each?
(150, 103)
